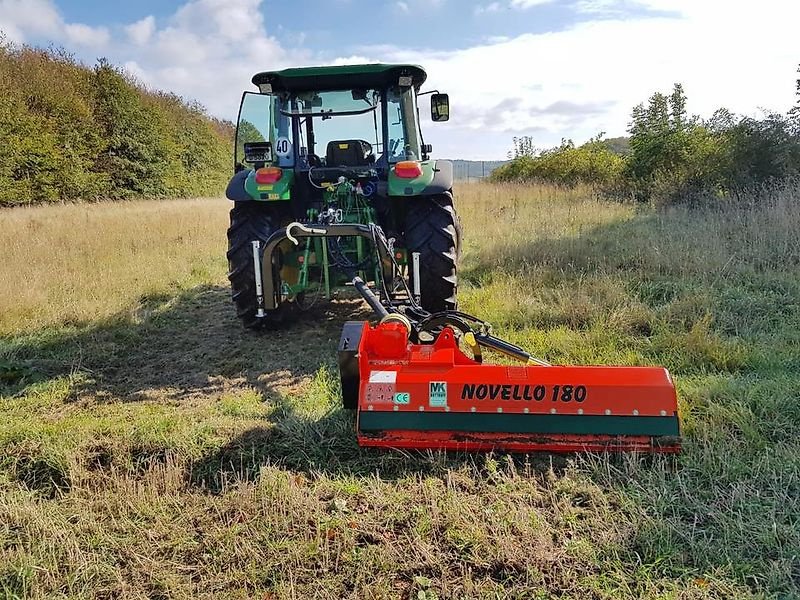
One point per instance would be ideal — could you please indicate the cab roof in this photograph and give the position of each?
(341, 77)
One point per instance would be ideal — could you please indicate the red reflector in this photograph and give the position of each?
(301, 259)
(398, 255)
(408, 169)
(268, 174)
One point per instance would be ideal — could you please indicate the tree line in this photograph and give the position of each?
(671, 156)
(70, 132)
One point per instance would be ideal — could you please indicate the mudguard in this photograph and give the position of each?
(436, 178)
(235, 190)
(243, 187)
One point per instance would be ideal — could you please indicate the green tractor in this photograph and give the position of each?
(334, 185)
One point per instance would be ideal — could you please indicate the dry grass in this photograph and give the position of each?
(151, 449)
(77, 263)
(545, 227)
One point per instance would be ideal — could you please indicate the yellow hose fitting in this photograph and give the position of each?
(473, 344)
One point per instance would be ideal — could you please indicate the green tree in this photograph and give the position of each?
(134, 153)
(46, 127)
(70, 132)
(522, 146)
(760, 151)
(670, 151)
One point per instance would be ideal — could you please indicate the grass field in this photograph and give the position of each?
(149, 448)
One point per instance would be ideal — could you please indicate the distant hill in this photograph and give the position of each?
(619, 145)
(465, 170)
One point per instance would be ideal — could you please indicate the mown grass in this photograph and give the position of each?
(150, 448)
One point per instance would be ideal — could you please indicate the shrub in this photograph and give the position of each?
(70, 132)
(592, 163)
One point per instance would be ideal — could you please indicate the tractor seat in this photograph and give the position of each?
(349, 153)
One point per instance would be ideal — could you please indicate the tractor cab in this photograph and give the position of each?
(357, 121)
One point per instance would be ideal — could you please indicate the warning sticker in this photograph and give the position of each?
(379, 393)
(437, 393)
(383, 377)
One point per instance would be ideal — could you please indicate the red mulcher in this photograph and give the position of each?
(435, 396)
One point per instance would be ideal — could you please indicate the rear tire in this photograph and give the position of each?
(250, 221)
(432, 228)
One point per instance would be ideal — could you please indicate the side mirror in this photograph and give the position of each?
(440, 107)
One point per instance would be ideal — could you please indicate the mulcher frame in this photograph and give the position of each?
(436, 397)
(410, 393)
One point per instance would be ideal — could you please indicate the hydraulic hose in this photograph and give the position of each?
(510, 350)
(369, 297)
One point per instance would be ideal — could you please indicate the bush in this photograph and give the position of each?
(593, 163)
(761, 151)
(678, 159)
(70, 132)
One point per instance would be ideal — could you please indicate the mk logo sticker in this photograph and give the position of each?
(437, 393)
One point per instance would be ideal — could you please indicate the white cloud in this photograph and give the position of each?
(598, 6)
(235, 20)
(724, 52)
(83, 35)
(207, 50)
(415, 7)
(355, 59)
(141, 31)
(528, 3)
(492, 7)
(22, 19)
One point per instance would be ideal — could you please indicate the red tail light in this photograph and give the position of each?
(268, 174)
(408, 169)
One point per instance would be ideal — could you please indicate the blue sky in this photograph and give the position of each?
(545, 68)
(352, 24)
